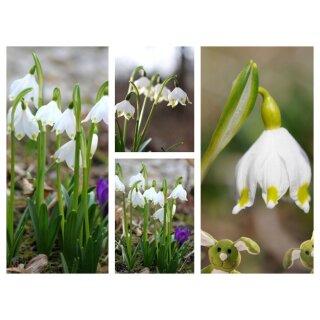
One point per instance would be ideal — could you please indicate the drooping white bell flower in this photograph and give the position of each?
(164, 93)
(159, 199)
(67, 153)
(277, 163)
(142, 85)
(159, 214)
(16, 115)
(49, 114)
(24, 123)
(125, 109)
(94, 145)
(28, 81)
(136, 198)
(137, 177)
(177, 96)
(151, 194)
(99, 111)
(179, 193)
(67, 122)
(119, 186)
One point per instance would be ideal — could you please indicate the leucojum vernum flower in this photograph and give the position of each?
(161, 248)
(73, 213)
(152, 91)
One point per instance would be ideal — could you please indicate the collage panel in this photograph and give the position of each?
(57, 160)
(154, 99)
(154, 216)
(257, 159)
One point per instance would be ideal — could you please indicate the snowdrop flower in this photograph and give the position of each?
(142, 85)
(159, 214)
(67, 153)
(99, 111)
(125, 109)
(24, 122)
(151, 194)
(136, 198)
(179, 193)
(159, 199)
(94, 145)
(49, 114)
(119, 186)
(28, 81)
(164, 93)
(16, 115)
(275, 162)
(138, 177)
(177, 96)
(67, 122)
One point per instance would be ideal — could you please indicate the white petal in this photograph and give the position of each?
(94, 145)
(99, 111)
(136, 198)
(49, 114)
(137, 177)
(151, 194)
(125, 109)
(25, 124)
(67, 122)
(159, 199)
(119, 186)
(177, 96)
(66, 153)
(142, 84)
(179, 193)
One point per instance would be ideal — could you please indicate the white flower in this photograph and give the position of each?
(49, 114)
(94, 145)
(24, 123)
(159, 214)
(156, 90)
(159, 199)
(136, 198)
(67, 153)
(142, 85)
(179, 193)
(177, 96)
(151, 194)
(137, 177)
(28, 81)
(99, 111)
(277, 163)
(119, 186)
(126, 109)
(67, 122)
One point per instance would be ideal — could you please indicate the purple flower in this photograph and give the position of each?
(181, 235)
(102, 191)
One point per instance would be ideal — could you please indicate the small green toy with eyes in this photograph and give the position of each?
(304, 253)
(224, 255)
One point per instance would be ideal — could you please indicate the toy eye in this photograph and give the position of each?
(219, 249)
(229, 251)
(307, 252)
(312, 246)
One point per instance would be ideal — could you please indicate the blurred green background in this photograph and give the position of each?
(287, 73)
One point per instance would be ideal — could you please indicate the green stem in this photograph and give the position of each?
(124, 136)
(59, 191)
(10, 218)
(130, 230)
(169, 228)
(84, 199)
(145, 225)
(125, 219)
(76, 172)
(155, 234)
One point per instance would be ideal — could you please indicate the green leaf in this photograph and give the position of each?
(240, 103)
(64, 263)
(66, 198)
(42, 241)
(144, 144)
(34, 217)
(174, 146)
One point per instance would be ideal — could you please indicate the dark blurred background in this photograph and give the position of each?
(169, 125)
(287, 73)
(62, 67)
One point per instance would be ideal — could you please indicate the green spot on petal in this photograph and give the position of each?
(272, 194)
(244, 199)
(303, 194)
(19, 136)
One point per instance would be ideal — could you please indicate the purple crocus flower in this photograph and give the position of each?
(102, 191)
(181, 235)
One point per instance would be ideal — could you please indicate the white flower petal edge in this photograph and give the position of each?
(159, 199)
(179, 193)
(49, 114)
(177, 96)
(155, 92)
(125, 109)
(67, 122)
(25, 124)
(99, 111)
(136, 198)
(142, 85)
(66, 153)
(151, 194)
(94, 145)
(119, 186)
(137, 177)
(277, 163)
(159, 214)
(16, 115)
(28, 81)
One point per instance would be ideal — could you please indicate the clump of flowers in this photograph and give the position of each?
(153, 91)
(75, 217)
(161, 248)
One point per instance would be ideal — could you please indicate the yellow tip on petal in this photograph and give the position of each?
(272, 195)
(244, 198)
(303, 195)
